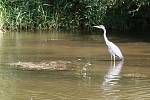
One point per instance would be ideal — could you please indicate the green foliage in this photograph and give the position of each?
(47, 14)
(79, 14)
(23, 14)
(129, 15)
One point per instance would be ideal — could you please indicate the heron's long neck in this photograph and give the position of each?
(105, 38)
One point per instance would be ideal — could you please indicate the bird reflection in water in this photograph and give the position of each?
(113, 75)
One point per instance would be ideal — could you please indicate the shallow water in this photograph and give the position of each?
(93, 77)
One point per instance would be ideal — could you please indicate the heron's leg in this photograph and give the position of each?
(111, 62)
(114, 59)
(111, 57)
(114, 64)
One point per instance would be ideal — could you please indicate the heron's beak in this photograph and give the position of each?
(97, 26)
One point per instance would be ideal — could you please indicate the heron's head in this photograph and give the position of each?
(100, 26)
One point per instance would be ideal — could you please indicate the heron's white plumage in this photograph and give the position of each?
(112, 48)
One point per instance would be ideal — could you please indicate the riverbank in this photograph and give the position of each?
(125, 15)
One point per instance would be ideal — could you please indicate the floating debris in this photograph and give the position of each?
(79, 59)
(51, 65)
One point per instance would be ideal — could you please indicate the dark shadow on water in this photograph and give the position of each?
(132, 36)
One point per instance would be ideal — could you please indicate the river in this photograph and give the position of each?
(86, 71)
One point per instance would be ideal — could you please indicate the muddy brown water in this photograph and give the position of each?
(92, 75)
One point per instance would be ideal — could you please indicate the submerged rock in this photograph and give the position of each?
(51, 65)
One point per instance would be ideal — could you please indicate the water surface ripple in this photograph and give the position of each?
(52, 66)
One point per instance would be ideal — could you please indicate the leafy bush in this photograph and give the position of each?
(129, 15)
(47, 14)
(74, 14)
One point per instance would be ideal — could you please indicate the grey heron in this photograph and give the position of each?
(112, 48)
